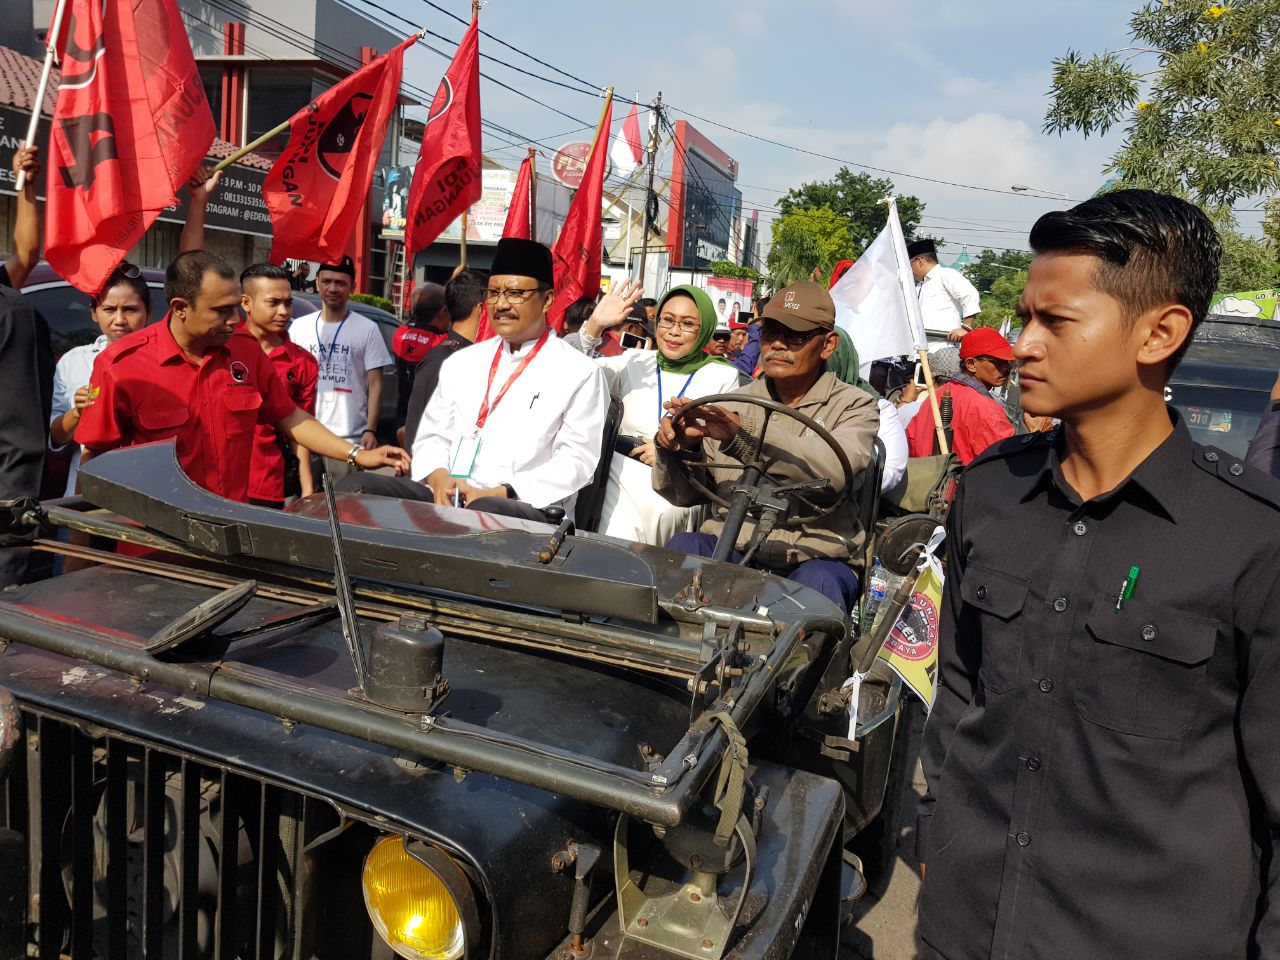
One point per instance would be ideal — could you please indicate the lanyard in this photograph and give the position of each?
(485, 407)
(333, 344)
(662, 413)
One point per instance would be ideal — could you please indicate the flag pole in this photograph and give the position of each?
(250, 147)
(533, 193)
(462, 244)
(37, 105)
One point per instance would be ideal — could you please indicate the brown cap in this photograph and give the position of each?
(802, 307)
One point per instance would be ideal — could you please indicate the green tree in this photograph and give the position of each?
(808, 239)
(732, 271)
(991, 266)
(856, 196)
(1001, 301)
(1198, 95)
(1248, 263)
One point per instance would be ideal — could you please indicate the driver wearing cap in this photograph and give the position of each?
(797, 334)
(978, 419)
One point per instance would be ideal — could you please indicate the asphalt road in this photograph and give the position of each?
(884, 926)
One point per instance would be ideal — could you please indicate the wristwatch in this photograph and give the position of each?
(351, 455)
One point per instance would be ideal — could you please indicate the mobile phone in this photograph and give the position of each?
(633, 341)
(745, 316)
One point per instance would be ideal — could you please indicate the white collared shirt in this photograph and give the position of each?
(946, 298)
(543, 437)
(73, 372)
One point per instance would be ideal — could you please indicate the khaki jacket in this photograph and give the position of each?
(792, 453)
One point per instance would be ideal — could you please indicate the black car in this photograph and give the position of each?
(365, 725)
(1223, 385)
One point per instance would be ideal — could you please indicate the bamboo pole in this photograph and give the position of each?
(462, 243)
(933, 402)
(250, 147)
(37, 105)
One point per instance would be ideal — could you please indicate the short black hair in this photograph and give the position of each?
(264, 271)
(185, 276)
(647, 302)
(1154, 249)
(428, 301)
(119, 278)
(577, 313)
(464, 293)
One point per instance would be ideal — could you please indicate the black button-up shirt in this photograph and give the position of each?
(1103, 780)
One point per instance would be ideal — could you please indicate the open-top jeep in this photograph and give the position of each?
(246, 733)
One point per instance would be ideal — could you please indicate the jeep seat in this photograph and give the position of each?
(590, 504)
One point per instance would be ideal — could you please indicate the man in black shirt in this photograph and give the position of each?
(1103, 777)
(463, 299)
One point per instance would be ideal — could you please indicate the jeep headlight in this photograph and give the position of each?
(411, 906)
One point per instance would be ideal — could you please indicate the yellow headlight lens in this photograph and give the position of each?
(409, 905)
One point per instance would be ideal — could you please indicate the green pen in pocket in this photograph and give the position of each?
(1127, 588)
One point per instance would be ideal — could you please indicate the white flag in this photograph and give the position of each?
(626, 151)
(876, 300)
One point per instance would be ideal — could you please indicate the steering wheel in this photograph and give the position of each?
(754, 468)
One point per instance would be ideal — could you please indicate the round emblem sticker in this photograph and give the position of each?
(239, 372)
(915, 635)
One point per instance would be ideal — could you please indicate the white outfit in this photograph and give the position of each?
(946, 298)
(894, 437)
(346, 352)
(543, 437)
(73, 372)
(632, 510)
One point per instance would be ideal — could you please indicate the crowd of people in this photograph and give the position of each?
(1090, 752)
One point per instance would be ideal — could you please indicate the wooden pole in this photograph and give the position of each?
(533, 193)
(462, 245)
(933, 402)
(37, 105)
(250, 147)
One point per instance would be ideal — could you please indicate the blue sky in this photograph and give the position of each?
(948, 91)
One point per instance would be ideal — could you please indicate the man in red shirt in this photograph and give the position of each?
(189, 378)
(267, 301)
(978, 419)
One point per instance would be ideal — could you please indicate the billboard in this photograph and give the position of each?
(485, 219)
(729, 296)
(1253, 304)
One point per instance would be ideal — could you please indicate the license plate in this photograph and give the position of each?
(1204, 418)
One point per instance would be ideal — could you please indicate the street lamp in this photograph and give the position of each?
(1023, 188)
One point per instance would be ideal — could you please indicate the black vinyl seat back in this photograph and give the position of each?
(586, 514)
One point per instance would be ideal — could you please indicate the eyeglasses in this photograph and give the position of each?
(684, 326)
(794, 339)
(513, 295)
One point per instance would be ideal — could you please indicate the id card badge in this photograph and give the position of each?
(465, 451)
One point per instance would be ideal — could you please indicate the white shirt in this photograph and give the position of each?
(73, 372)
(346, 352)
(543, 437)
(894, 437)
(946, 298)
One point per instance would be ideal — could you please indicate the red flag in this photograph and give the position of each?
(517, 224)
(317, 188)
(447, 179)
(578, 248)
(131, 125)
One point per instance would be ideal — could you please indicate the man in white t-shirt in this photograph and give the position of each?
(948, 301)
(351, 354)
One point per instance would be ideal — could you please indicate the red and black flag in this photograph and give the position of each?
(517, 223)
(317, 189)
(580, 246)
(447, 178)
(131, 125)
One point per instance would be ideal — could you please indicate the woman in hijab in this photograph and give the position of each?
(644, 380)
(844, 364)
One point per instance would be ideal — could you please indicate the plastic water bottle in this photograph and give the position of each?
(877, 590)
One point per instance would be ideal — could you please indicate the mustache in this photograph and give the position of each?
(785, 355)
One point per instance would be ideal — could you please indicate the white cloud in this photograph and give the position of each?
(1238, 307)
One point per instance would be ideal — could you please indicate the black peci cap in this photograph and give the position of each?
(515, 257)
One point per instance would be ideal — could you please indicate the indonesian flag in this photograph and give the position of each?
(578, 249)
(130, 127)
(317, 189)
(447, 179)
(517, 224)
(627, 152)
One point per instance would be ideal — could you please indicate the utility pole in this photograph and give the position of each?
(655, 137)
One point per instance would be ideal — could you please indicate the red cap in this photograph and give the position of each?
(985, 342)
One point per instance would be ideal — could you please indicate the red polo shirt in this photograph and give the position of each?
(150, 390)
(298, 371)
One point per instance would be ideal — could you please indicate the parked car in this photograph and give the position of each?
(494, 738)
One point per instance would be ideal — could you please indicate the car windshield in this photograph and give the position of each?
(1224, 417)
